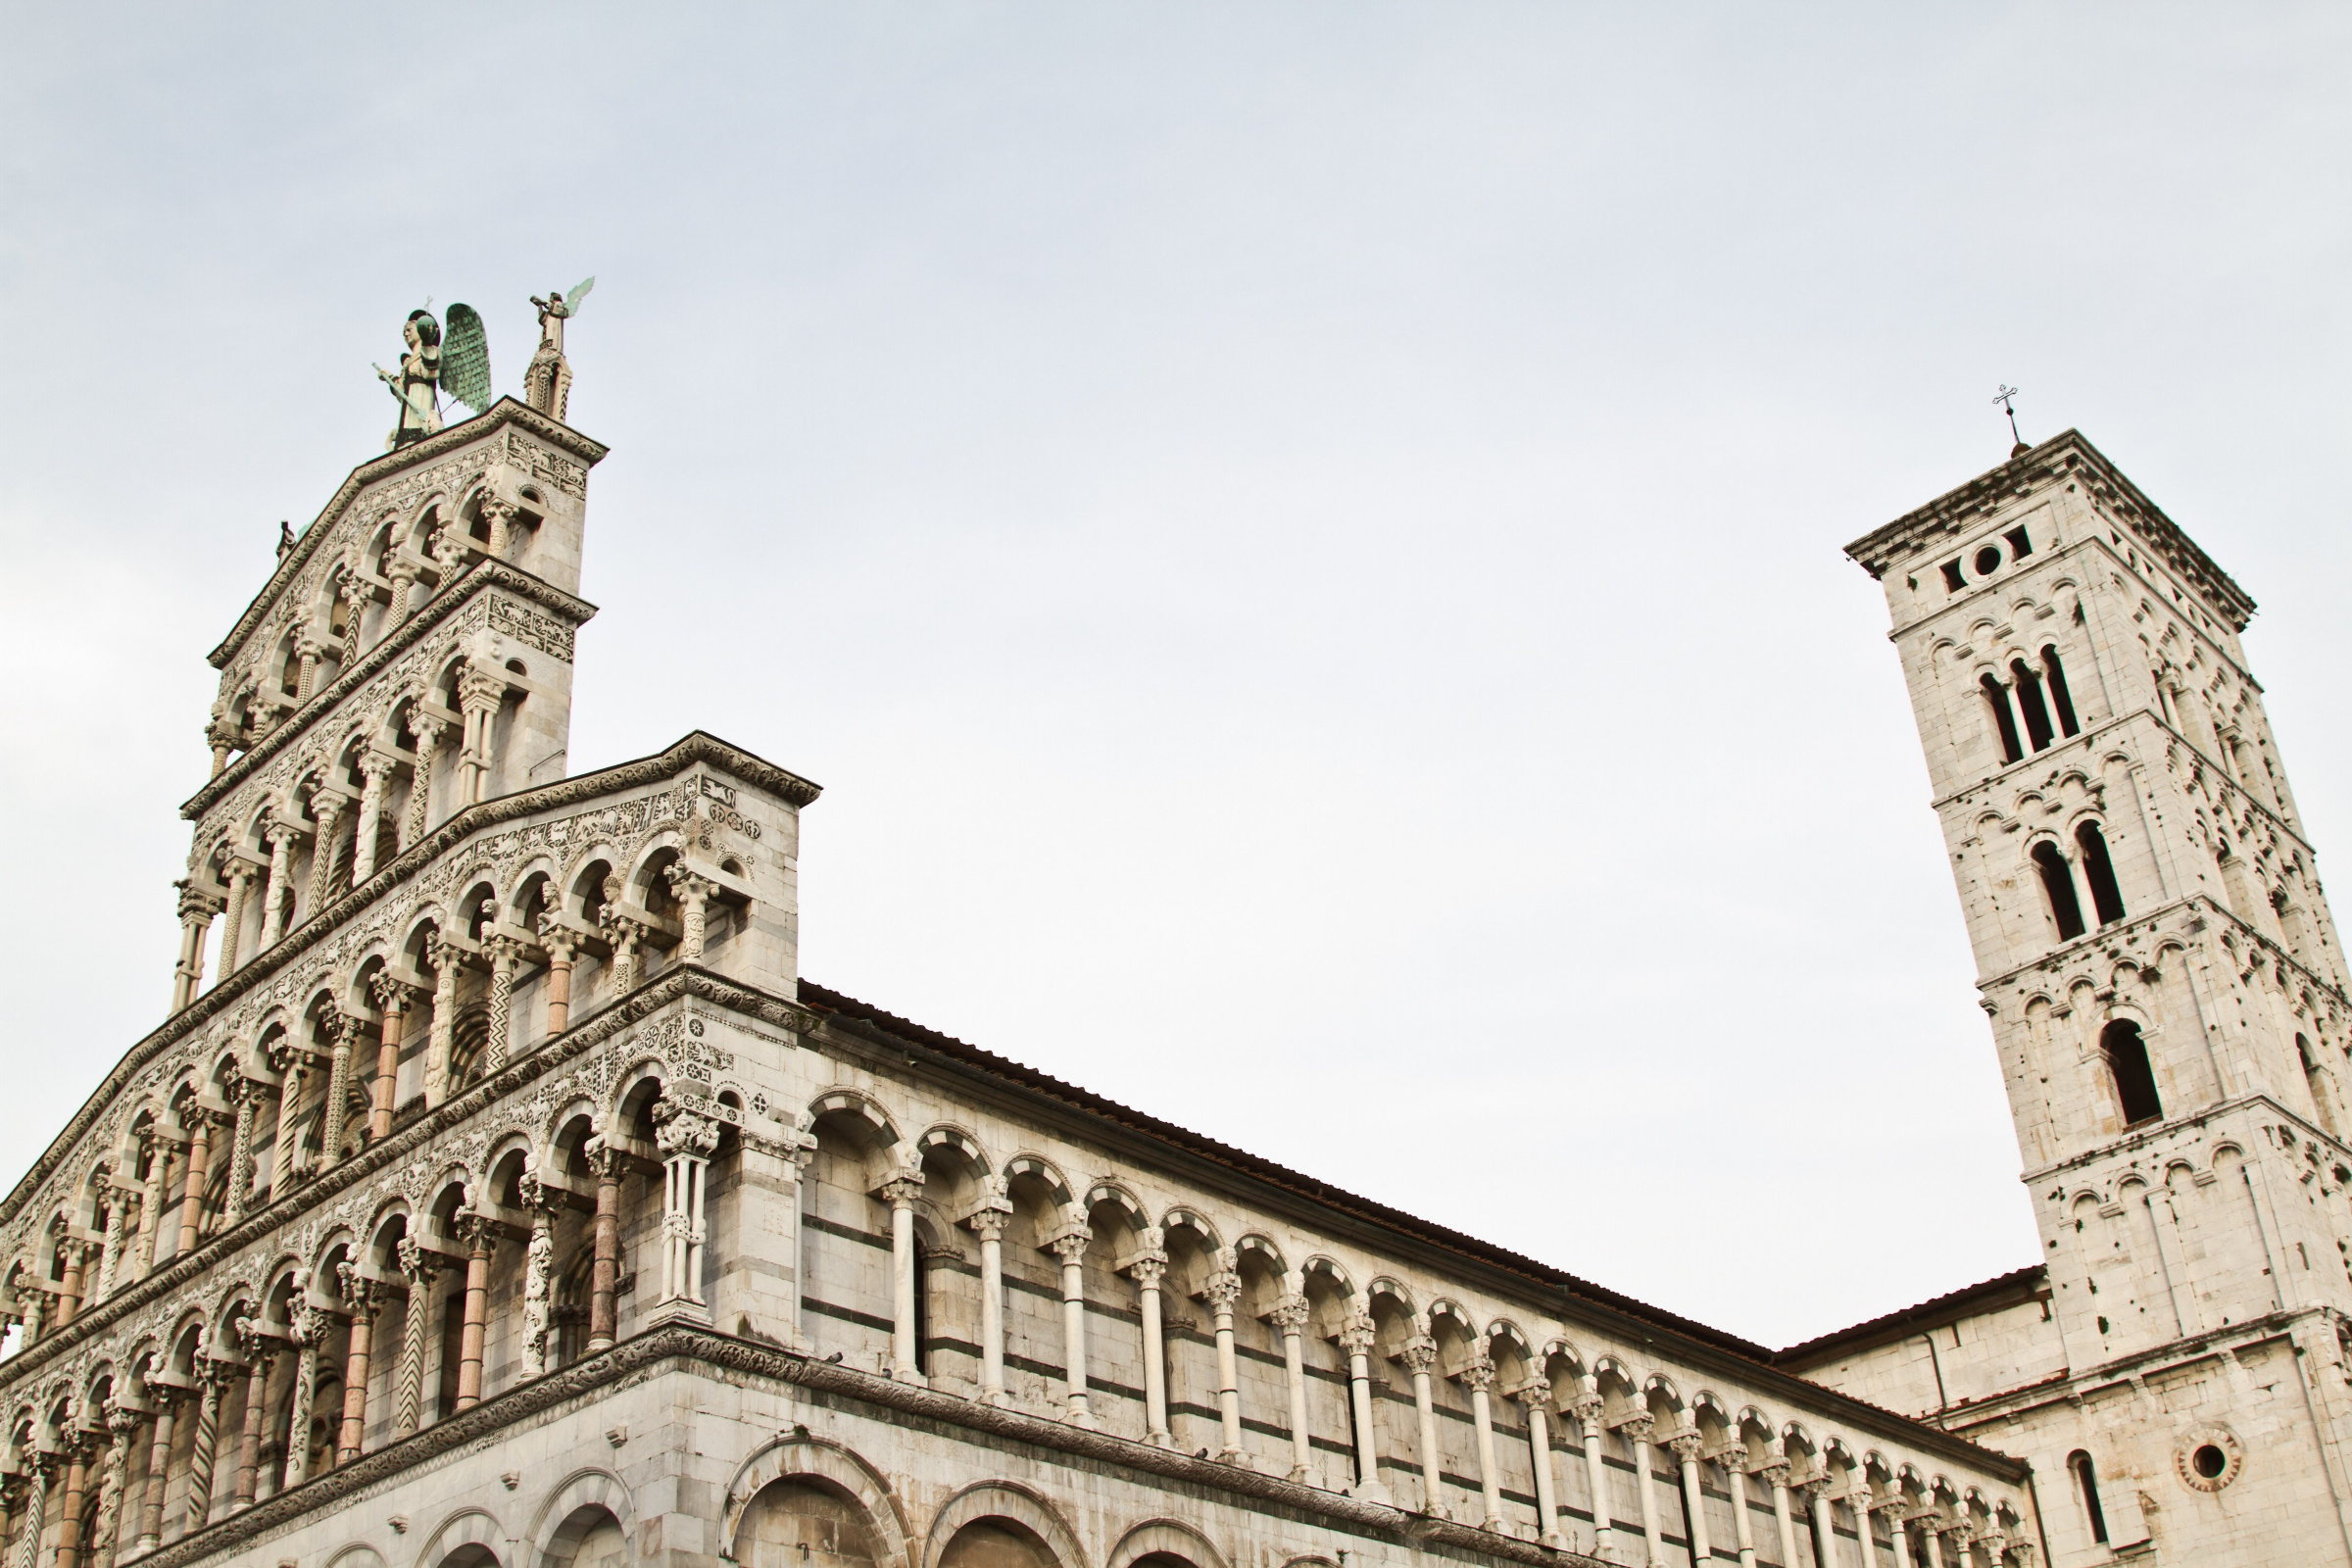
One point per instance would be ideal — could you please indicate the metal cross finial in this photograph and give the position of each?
(2005, 398)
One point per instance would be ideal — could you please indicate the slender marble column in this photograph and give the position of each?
(106, 1525)
(159, 1455)
(327, 814)
(211, 1375)
(76, 1447)
(1419, 1358)
(693, 893)
(372, 766)
(158, 1150)
(1685, 1445)
(603, 1269)
(43, 1465)
(1637, 1431)
(624, 935)
(560, 946)
(261, 1350)
(441, 1044)
(987, 1222)
(308, 1331)
(1895, 1507)
(686, 1138)
(1147, 1268)
(504, 951)
(365, 1298)
(1478, 1378)
(1734, 1459)
(403, 577)
(277, 888)
(233, 929)
(248, 1093)
(1070, 1248)
(420, 1269)
(1536, 1395)
(418, 818)
(480, 693)
(293, 1064)
(538, 1272)
(69, 1285)
(1223, 1294)
(200, 1156)
(475, 1232)
(346, 1029)
(392, 998)
(118, 1198)
(196, 912)
(1775, 1476)
(901, 1192)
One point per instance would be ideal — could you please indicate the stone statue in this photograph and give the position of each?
(547, 384)
(459, 364)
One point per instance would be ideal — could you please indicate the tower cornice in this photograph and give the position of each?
(2067, 453)
(503, 412)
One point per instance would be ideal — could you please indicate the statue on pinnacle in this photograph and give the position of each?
(547, 384)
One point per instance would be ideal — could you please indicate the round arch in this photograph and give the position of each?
(1165, 1538)
(813, 1458)
(1010, 1502)
(468, 1527)
(572, 1510)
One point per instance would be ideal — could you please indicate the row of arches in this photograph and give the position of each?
(2030, 704)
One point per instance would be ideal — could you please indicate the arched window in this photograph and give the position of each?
(2099, 872)
(1998, 697)
(2029, 702)
(2316, 1077)
(2087, 1480)
(2128, 1064)
(2058, 885)
(2060, 700)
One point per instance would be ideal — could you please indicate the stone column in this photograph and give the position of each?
(446, 956)
(248, 1093)
(625, 934)
(1732, 1456)
(76, 1446)
(603, 1269)
(200, 1154)
(260, 1352)
(1589, 1407)
(1223, 1292)
(1685, 1445)
(1355, 1342)
(419, 816)
(1893, 1506)
(159, 1455)
(1775, 1476)
(503, 952)
(277, 888)
(338, 1091)
(419, 1268)
(1070, 1248)
(372, 766)
(233, 928)
(196, 911)
(110, 1256)
(686, 1138)
(1419, 1358)
(43, 1466)
(365, 1298)
(987, 1222)
(1289, 1318)
(392, 998)
(158, 1150)
(403, 577)
(901, 1192)
(479, 692)
(561, 945)
(1638, 1430)
(475, 1232)
(122, 1425)
(306, 664)
(692, 892)
(76, 1252)
(210, 1376)
(500, 514)
(1536, 1395)
(1147, 1268)
(293, 1064)
(220, 733)
(539, 1259)
(326, 813)
(1479, 1377)
(307, 1332)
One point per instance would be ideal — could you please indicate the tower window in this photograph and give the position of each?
(2128, 1064)
(1998, 697)
(2058, 884)
(1989, 560)
(2029, 702)
(2086, 1481)
(2060, 701)
(2099, 872)
(1951, 576)
(2020, 545)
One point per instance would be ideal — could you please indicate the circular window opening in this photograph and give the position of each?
(1988, 561)
(2210, 1461)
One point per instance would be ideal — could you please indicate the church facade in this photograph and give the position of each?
(497, 1191)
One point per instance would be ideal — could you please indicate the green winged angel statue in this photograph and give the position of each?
(456, 362)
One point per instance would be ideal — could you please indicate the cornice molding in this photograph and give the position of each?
(699, 746)
(500, 415)
(469, 584)
(1954, 513)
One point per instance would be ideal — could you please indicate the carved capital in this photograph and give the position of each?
(1071, 1244)
(1478, 1375)
(503, 952)
(1775, 1474)
(1358, 1334)
(903, 1189)
(680, 1131)
(1685, 1445)
(417, 1266)
(1640, 1427)
(1290, 1313)
(686, 885)
(392, 996)
(559, 940)
(1534, 1393)
(1223, 1289)
(1418, 1354)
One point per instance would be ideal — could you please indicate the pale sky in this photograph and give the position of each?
(1302, 541)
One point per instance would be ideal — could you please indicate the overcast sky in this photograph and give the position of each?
(1302, 541)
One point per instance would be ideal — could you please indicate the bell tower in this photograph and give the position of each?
(2162, 973)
